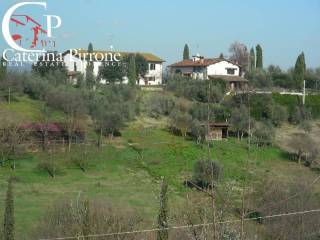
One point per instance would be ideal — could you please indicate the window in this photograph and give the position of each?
(197, 69)
(75, 66)
(231, 71)
(152, 66)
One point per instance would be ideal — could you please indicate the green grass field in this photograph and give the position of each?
(28, 110)
(127, 170)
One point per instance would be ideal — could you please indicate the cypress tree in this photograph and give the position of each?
(90, 48)
(132, 72)
(163, 213)
(90, 81)
(299, 71)
(259, 57)
(252, 60)
(8, 221)
(86, 220)
(3, 68)
(186, 52)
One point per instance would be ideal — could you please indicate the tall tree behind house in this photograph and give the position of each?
(252, 60)
(90, 79)
(186, 54)
(259, 57)
(299, 71)
(239, 54)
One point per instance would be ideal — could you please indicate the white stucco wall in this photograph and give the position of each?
(69, 61)
(156, 73)
(81, 64)
(220, 68)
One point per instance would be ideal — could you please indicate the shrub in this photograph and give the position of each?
(80, 161)
(313, 103)
(261, 106)
(48, 166)
(260, 79)
(198, 132)
(160, 105)
(180, 119)
(197, 90)
(240, 120)
(263, 133)
(205, 172)
(288, 101)
(304, 148)
(199, 111)
(300, 114)
(279, 114)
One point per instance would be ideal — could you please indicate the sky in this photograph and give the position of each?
(283, 28)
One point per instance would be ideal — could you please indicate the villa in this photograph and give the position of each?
(201, 68)
(76, 63)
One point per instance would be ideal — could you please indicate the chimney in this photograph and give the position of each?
(201, 60)
(198, 58)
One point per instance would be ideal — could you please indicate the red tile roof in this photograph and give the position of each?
(149, 57)
(200, 63)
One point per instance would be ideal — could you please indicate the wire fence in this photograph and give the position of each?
(281, 215)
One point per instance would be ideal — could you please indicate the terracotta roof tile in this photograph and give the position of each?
(200, 63)
(149, 57)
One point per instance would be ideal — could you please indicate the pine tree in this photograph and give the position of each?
(252, 60)
(259, 57)
(299, 71)
(163, 213)
(132, 73)
(8, 222)
(3, 68)
(186, 52)
(221, 56)
(90, 79)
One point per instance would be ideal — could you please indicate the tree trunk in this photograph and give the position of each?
(13, 165)
(100, 138)
(9, 95)
(2, 159)
(299, 157)
(45, 140)
(69, 142)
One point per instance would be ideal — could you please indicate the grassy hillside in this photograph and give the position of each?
(28, 110)
(127, 170)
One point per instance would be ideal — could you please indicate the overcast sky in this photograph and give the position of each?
(284, 28)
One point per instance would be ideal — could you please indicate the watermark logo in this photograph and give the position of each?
(18, 40)
(30, 38)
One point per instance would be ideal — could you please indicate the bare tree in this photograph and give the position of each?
(298, 195)
(239, 54)
(304, 147)
(10, 137)
(81, 217)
